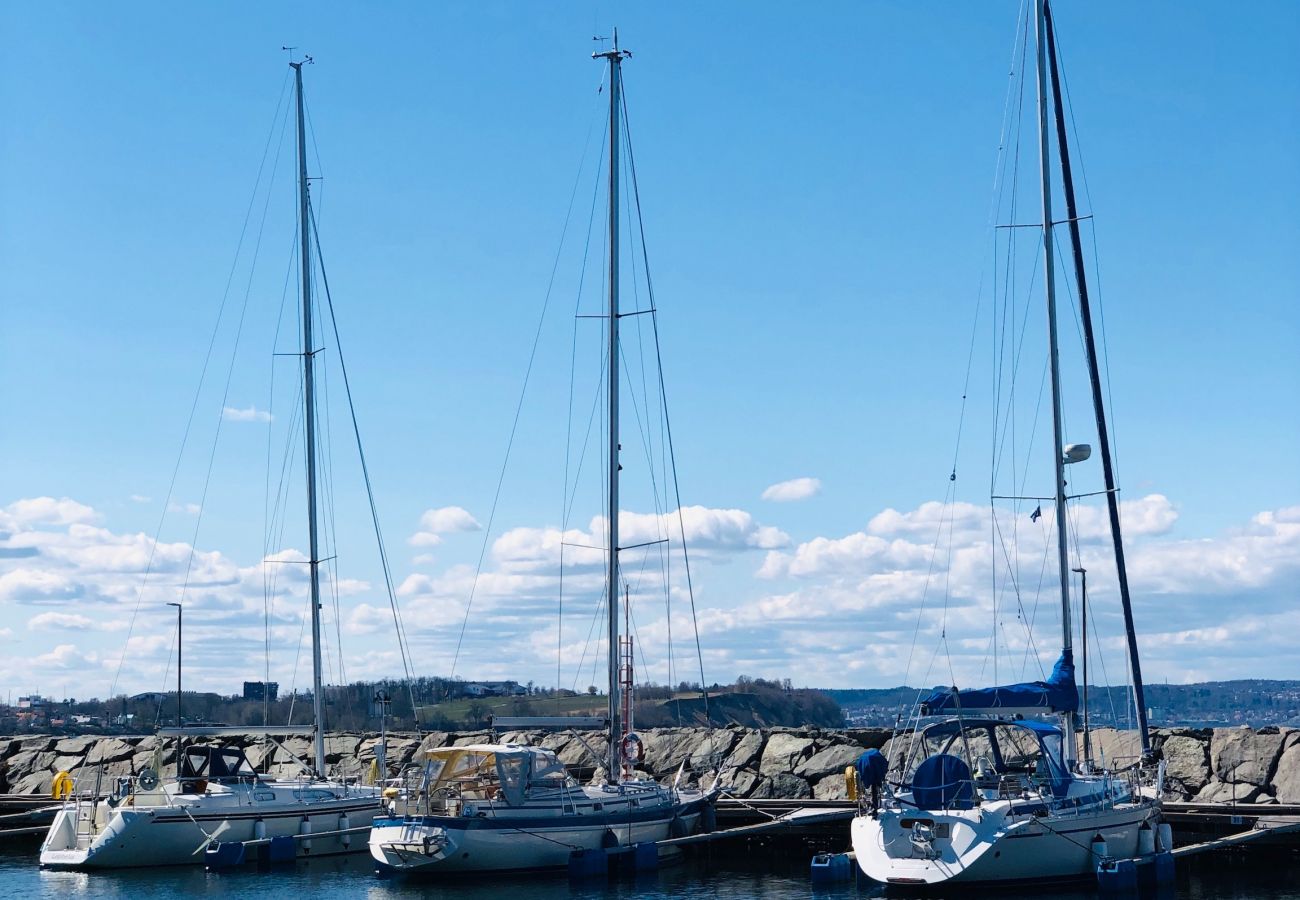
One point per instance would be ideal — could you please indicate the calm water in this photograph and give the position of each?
(765, 873)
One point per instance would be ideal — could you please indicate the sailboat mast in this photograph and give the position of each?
(1094, 376)
(615, 58)
(309, 407)
(1049, 265)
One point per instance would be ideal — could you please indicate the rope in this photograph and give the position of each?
(403, 643)
(189, 422)
(514, 426)
(668, 428)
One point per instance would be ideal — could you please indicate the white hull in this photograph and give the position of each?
(96, 835)
(989, 846)
(542, 833)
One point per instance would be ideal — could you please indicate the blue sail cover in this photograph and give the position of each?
(1057, 694)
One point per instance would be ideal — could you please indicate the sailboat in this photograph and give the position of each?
(217, 800)
(990, 793)
(512, 807)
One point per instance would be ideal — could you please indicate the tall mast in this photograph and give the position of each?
(309, 407)
(1094, 376)
(1062, 545)
(615, 57)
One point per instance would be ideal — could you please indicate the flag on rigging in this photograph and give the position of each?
(1036, 514)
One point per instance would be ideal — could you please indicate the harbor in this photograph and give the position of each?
(533, 455)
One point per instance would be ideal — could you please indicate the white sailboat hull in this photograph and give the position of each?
(521, 839)
(96, 835)
(984, 847)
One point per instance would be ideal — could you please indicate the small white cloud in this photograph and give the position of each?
(445, 520)
(140, 498)
(190, 509)
(251, 414)
(794, 489)
(59, 621)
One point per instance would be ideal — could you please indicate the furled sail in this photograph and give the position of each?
(1058, 694)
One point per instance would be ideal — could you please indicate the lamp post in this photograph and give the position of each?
(179, 611)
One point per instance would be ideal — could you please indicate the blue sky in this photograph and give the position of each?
(817, 192)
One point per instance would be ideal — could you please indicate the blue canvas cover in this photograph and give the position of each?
(872, 768)
(1057, 694)
(942, 782)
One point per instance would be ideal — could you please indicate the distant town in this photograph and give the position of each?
(1211, 704)
(451, 704)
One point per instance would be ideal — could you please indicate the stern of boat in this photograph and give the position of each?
(408, 845)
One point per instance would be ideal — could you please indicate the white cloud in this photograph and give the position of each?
(140, 498)
(250, 414)
(35, 586)
(189, 509)
(45, 511)
(794, 489)
(444, 520)
(65, 656)
(55, 621)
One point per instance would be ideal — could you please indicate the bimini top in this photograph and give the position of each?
(511, 769)
(1057, 694)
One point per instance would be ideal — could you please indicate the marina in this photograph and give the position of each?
(737, 540)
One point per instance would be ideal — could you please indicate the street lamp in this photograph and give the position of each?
(179, 611)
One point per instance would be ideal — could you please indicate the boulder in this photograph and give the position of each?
(1221, 792)
(789, 787)
(869, 738)
(742, 782)
(713, 749)
(35, 783)
(831, 761)
(1242, 756)
(75, 746)
(832, 787)
(108, 750)
(785, 751)
(667, 748)
(746, 751)
(1187, 761)
(340, 746)
(1286, 780)
(41, 743)
(474, 737)
(1115, 749)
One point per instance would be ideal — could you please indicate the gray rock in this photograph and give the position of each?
(712, 751)
(339, 746)
(1286, 780)
(747, 751)
(667, 748)
(742, 782)
(1221, 792)
(833, 760)
(1242, 756)
(785, 751)
(1187, 762)
(108, 750)
(75, 746)
(789, 787)
(832, 787)
(1113, 748)
(35, 783)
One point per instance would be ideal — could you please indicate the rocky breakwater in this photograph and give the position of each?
(1220, 765)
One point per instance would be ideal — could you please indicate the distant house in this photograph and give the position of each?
(35, 701)
(495, 689)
